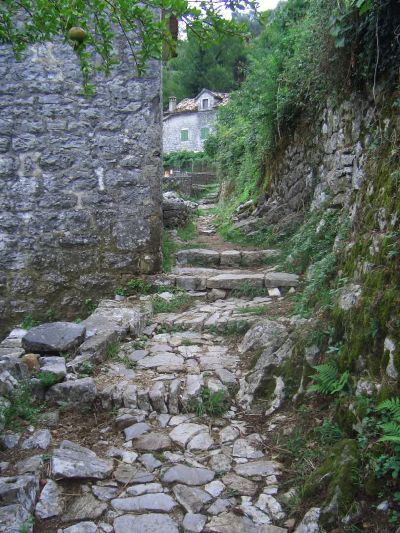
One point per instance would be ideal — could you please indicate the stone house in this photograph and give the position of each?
(188, 124)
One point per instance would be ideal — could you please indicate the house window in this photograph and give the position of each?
(205, 103)
(184, 135)
(204, 132)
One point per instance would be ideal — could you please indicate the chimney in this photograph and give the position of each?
(172, 104)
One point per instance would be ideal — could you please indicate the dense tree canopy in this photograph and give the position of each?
(220, 66)
(96, 24)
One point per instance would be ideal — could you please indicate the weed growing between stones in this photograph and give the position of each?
(47, 379)
(187, 342)
(20, 408)
(112, 351)
(28, 322)
(260, 310)
(90, 305)
(169, 248)
(140, 343)
(127, 362)
(179, 302)
(50, 315)
(236, 328)
(209, 403)
(139, 286)
(86, 369)
(188, 232)
(247, 290)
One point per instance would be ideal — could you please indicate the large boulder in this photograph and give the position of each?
(55, 337)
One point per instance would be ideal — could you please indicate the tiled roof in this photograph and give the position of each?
(190, 104)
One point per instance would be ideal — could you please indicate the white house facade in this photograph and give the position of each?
(188, 124)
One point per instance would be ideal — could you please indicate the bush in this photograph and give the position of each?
(185, 160)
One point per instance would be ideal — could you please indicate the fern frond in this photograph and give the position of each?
(340, 385)
(327, 379)
(393, 406)
(391, 432)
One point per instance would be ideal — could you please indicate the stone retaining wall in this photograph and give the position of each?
(320, 163)
(80, 181)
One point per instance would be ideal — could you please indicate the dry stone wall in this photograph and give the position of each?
(80, 180)
(319, 165)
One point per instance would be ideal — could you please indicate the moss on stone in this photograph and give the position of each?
(336, 479)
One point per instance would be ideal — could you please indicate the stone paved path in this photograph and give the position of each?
(160, 463)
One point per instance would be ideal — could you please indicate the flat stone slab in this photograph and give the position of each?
(281, 279)
(39, 439)
(165, 360)
(230, 258)
(20, 490)
(152, 442)
(125, 474)
(55, 337)
(55, 365)
(30, 465)
(242, 485)
(50, 502)
(86, 507)
(158, 502)
(72, 461)
(136, 430)
(258, 468)
(194, 523)
(144, 488)
(199, 257)
(147, 523)
(231, 523)
(82, 527)
(192, 499)
(77, 392)
(233, 281)
(184, 432)
(188, 475)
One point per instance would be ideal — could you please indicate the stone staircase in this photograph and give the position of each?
(159, 461)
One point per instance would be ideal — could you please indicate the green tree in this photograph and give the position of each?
(220, 66)
(92, 27)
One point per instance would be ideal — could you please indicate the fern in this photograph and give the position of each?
(391, 428)
(392, 405)
(327, 380)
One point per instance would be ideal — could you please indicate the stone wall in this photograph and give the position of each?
(188, 182)
(321, 163)
(80, 181)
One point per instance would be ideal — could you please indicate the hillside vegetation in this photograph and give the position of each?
(310, 53)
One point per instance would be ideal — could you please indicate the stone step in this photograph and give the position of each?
(229, 258)
(197, 279)
(172, 395)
